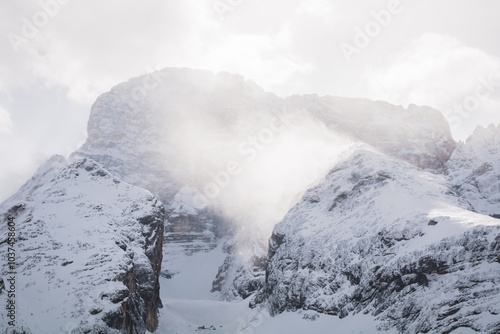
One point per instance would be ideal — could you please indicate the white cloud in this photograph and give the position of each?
(87, 48)
(264, 59)
(5, 121)
(442, 72)
(322, 9)
(21, 158)
(126, 39)
(285, 46)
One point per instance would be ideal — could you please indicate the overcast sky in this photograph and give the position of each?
(58, 56)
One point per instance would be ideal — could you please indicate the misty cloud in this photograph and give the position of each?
(5, 121)
(287, 47)
(440, 71)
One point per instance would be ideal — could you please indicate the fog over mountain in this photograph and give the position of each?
(201, 202)
(58, 56)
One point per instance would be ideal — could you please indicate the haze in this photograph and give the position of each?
(443, 54)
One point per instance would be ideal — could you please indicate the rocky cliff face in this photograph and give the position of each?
(89, 250)
(417, 134)
(474, 170)
(241, 274)
(380, 237)
(189, 230)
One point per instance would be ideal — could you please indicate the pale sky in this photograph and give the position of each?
(57, 56)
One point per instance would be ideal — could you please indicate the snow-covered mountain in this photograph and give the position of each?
(381, 237)
(88, 252)
(397, 230)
